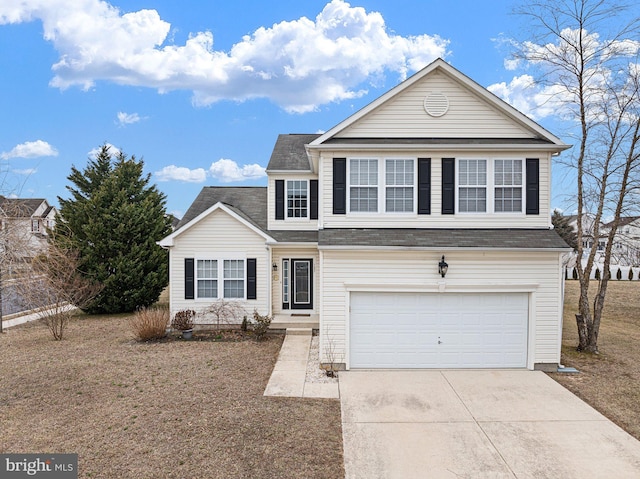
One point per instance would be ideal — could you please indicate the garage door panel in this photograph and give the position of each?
(451, 330)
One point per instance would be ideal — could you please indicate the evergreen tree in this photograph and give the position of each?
(114, 219)
(564, 229)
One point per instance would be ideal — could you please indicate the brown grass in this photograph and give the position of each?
(610, 381)
(173, 409)
(149, 323)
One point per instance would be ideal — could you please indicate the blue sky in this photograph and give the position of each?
(201, 89)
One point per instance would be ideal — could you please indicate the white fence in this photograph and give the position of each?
(618, 273)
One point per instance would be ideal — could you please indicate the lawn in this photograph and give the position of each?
(610, 381)
(174, 409)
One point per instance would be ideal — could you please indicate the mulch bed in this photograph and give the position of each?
(167, 409)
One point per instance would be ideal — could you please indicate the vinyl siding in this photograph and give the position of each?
(218, 236)
(435, 219)
(404, 115)
(276, 284)
(468, 271)
(289, 224)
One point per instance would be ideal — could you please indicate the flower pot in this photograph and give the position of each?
(187, 334)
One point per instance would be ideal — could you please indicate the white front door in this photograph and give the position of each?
(438, 330)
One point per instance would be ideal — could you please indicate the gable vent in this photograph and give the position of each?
(436, 104)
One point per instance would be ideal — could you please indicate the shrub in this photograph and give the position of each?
(183, 320)
(245, 324)
(150, 323)
(260, 324)
(226, 312)
(630, 274)
(619, 274)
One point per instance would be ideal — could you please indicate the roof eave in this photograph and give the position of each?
(442, 248)
(442, 147)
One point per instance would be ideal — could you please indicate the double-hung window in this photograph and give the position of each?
(233, 278)
(363, 185)
(508, 186)
(472, 186)
(297, 198)
(220, 278)
(207, 278)
(399, 178)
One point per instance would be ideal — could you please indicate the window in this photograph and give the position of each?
(399, 179)
(210, 271)
(472, 186)
(297, 199)
(285, 280)
(233, 278)
(363, 186)
(508, 186)
(35, 226)
(207, 278)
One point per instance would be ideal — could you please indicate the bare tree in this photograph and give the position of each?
(586, 54)
(57, 283)
(225, 312)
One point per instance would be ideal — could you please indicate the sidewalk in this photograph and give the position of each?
(288, 378)
(25, 318)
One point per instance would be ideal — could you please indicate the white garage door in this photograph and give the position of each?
(438, 330)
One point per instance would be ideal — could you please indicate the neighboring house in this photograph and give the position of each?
(355, 223)
(626, 242)
(24, 224)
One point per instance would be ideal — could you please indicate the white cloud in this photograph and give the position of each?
(530, 98)
(181, 173)
(297, 64)
(30, 149)
(127, 118)
(229, 171)
(26, 171)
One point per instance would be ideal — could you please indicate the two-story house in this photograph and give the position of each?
(417, 231)
(24, 224)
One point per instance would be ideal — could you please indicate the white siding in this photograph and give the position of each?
(218, 236)
(276, 285)
(404, 116)
(288, 223)
(435, 219)
(537, 273)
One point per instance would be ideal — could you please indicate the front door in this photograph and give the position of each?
(302, 283)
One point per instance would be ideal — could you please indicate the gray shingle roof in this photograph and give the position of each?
(289, 153)
(20, 207)
(248, 202)
(443, 238)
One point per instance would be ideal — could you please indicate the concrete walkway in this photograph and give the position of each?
(27, 316)
(288, 378)
(484, 424)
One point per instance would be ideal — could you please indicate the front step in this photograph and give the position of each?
(300, 331)
(288, 321)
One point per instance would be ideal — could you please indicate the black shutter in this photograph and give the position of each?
(189, 282)
(279, 199)
(533, 186)
(339, 186)
(448, 186)
(424, 186)
(251, 278)
(313, 200)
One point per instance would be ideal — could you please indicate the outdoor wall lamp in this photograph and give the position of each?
(274, 267)
(443, 267)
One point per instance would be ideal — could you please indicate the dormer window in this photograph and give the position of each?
(297, 198)
(35, 226)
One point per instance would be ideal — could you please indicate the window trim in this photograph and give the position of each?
(521, 186)
(381, 186)
(286, 200)
(490, 187)
(220, 276)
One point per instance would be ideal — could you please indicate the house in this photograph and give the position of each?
(626, 241)
(417, 231)
(24, 223)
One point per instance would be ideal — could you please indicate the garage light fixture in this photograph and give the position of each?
(443, 267)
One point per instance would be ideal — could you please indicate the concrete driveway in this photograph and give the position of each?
(476, 424)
